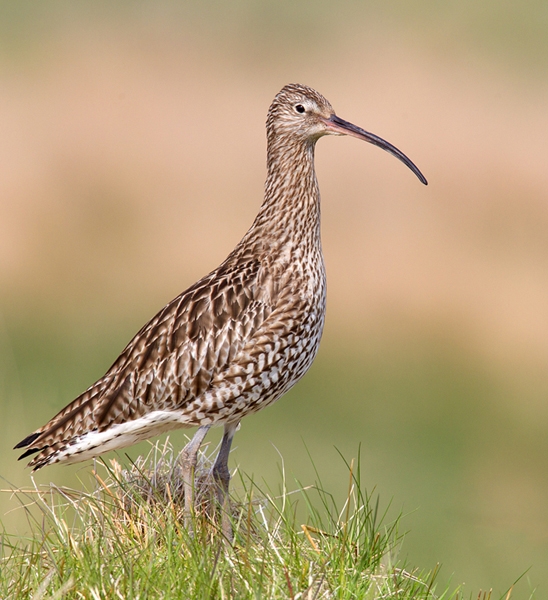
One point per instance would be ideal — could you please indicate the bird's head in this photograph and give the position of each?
(302, 114)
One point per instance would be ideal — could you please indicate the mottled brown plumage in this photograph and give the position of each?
(239, 338)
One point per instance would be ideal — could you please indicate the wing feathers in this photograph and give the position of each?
(169, 363)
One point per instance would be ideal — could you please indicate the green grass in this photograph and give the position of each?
(124, 538)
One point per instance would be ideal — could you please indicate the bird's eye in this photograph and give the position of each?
(299, 108)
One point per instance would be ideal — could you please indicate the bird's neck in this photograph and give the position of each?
(290, 213)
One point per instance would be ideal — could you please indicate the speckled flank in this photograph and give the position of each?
(236, 340)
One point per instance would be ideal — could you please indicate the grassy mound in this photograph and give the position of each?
(126, 539)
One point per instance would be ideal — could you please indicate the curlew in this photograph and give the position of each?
(238, 339)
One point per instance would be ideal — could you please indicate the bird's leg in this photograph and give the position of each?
(221, 474)
(189, 457)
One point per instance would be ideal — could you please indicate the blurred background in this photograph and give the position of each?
(132, 160)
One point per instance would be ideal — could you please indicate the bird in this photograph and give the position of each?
(239, 338)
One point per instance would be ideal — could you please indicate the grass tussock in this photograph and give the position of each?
(125, 539)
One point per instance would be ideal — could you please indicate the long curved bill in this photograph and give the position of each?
(342, 127)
